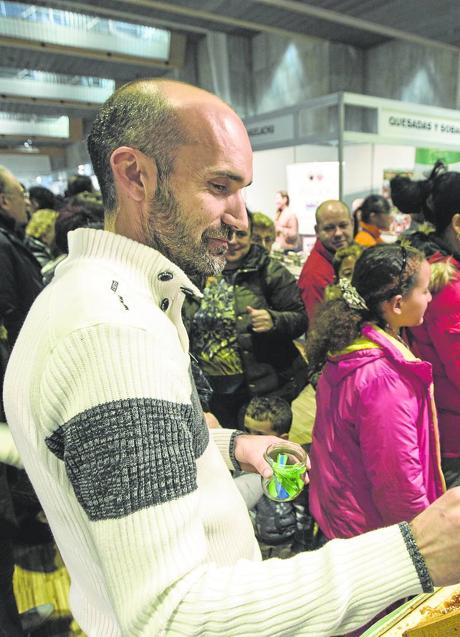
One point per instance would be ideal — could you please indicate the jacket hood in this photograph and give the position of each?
(373, 344)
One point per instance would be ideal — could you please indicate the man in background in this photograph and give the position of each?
(20, 283)
(334, 230)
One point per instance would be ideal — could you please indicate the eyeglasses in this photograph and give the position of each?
(403, 265)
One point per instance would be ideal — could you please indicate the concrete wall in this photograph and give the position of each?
(412, 73)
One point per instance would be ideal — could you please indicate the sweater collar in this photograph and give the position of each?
(139, 260)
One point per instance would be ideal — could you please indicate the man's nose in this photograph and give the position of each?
(235, 214)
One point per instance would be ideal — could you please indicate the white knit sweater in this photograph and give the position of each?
(153, 531)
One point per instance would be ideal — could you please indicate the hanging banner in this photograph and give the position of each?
(309, 184)
(409, 126)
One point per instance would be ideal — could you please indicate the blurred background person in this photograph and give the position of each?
(438, 339)
(40, 235)
(375, 217)
(334, 230)
(77, 184)
(263, 232)
(84, 210)
(20, 283)
(411, 197)
(286, 225)
(242, 330)
(41, 198)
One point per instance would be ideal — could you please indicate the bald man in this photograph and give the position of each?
(99, 395)
(334, 230)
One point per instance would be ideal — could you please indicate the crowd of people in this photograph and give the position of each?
(151, 349)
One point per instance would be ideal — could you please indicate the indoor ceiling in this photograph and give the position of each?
(361, 23)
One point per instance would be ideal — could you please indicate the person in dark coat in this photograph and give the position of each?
(242, 331)
(20, 283)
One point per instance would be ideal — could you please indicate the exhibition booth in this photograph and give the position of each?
(346, 146)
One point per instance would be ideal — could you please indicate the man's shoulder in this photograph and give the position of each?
(88, 293)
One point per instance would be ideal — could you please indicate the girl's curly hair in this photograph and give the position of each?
(380, 273)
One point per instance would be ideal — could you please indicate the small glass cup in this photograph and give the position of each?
(289, 463)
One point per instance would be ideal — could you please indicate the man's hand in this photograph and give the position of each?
(437, 534)
(249, 451)
(261, 320)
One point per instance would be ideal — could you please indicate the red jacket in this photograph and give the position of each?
(317, 273)
(438, 340)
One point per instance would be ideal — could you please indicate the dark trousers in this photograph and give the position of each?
(451, 470)
(229, 408)
(10, 625)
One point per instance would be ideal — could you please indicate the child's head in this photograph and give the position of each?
(389, 287)
(268, 415)
(345, 259)
(263, 231)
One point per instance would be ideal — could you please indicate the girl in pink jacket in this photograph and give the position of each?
(375, 451)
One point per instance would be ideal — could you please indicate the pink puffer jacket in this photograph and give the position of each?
(375, 452)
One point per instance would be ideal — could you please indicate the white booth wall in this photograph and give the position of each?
(364, 165)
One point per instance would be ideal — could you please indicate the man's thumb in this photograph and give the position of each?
(249, 309)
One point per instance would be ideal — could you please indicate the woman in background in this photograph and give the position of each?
(438, 339)
(286, 225)
(242, 330)
(375, 217)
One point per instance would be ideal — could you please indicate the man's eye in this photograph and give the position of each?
(219, 187)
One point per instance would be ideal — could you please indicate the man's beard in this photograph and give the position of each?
(168, 232)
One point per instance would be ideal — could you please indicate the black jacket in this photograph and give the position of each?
(20, 279)
(20, 283)
(272, 364)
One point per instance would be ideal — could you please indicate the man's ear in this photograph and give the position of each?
(134, 173)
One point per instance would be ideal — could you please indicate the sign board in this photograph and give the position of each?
(272, 130)
(410, 126)
(309, 184)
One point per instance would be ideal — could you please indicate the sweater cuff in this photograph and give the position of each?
(417, 558)
(225, 441)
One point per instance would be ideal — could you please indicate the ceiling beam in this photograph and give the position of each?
(214, 17)
(40, 101)
(356, 23)
(88, 54)
(117, 14)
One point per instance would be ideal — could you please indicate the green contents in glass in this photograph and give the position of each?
(288, 463)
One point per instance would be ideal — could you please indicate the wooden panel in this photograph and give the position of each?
(445, 626)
